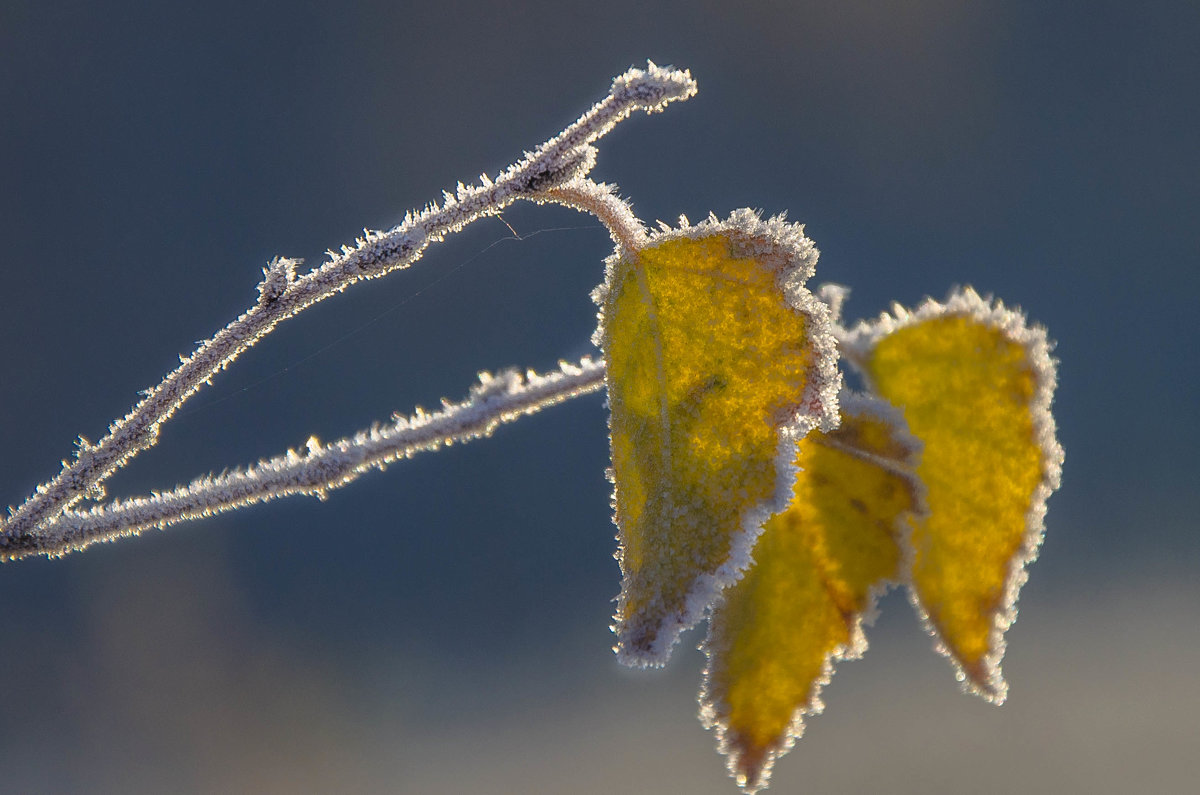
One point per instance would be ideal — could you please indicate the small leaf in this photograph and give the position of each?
(975, 382)
(718, 360)
(775, 635)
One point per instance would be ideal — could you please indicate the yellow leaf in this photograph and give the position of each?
(975, 382)
(819, 565)
(718, 360)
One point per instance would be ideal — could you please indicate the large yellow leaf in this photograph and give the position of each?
(819, 565)
(975, 382)
(718, 360)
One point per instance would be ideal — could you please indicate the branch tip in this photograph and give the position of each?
(652, 88)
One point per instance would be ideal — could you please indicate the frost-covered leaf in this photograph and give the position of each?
(718, 360)
(775, 635)
(975, 382)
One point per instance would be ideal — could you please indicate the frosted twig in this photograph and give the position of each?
(283, 293)
(496, 399)
(602, 201)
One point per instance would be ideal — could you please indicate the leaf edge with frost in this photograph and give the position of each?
(858, 341)
(712, 708)
(816, 408)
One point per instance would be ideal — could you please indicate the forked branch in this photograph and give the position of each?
(566, 158)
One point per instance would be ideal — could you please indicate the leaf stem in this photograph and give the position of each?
(602, 201)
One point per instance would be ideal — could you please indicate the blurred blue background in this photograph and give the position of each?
(443, 627)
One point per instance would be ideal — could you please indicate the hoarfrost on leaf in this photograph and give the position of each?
(718, 360)
(820, 564)
(975, 382)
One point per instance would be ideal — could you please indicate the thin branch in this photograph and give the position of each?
(496, 399)
(282, 293)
